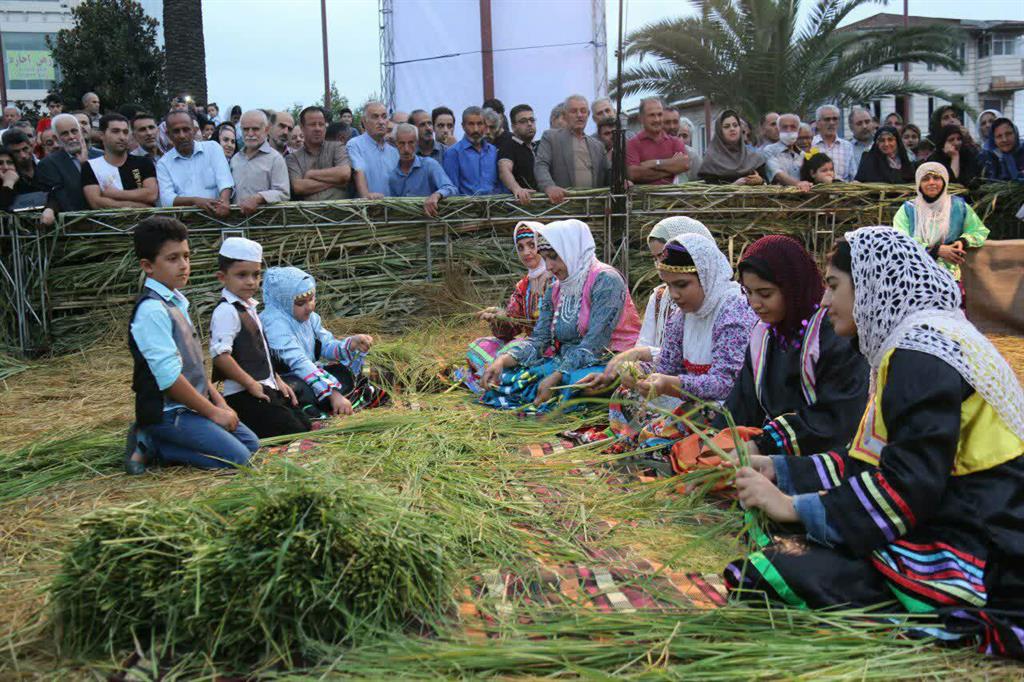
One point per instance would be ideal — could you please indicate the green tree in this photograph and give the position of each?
(112, 51)
(751, 55)
(338, 102)
(186, 49)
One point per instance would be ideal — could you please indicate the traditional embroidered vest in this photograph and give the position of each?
(985, 439)
(810, 351)
(628, 327)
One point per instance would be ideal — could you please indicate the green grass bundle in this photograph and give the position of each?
(254, 572)
(63, 457)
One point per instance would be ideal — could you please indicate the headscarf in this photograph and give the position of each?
(935, 123)
(878, 167)
(281, 286)
(904, 299)
(715, 276)
(785, 262)
(527, 229)
(1008, 165)
(572, 241)
(668, 229)
(729, 163)
(998, 114)
(931, 217)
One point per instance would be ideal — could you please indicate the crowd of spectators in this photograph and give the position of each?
(191, 156)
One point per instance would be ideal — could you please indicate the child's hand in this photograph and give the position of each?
(226, 417)
(286, 391)
(255, 389)
(340, 404)
(362, 342)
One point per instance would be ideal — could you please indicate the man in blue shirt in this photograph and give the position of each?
(371, 156)
(472, 162)
(417, 176)
(193, 173)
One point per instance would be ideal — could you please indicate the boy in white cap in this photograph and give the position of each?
(239, 350)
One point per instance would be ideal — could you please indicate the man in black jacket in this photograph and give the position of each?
(61, 171)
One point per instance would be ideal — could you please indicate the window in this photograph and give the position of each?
(1004, 45)
(984, 46)
(996, 104)
(931, 107)
(961, 53)
(28, 63)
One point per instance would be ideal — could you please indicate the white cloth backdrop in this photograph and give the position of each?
(558, 59)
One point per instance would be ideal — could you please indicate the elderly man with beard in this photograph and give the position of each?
(566, 157)
(259, 172)
(61, 171)
(193, 173)
(472, 162)
(116, 179)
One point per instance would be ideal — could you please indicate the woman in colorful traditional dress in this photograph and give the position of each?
(945, 225)
(927, 503)
(802, 387)
(702, 352)
(586, 316)
(516, 321)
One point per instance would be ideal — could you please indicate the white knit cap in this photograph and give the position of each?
(241, 248)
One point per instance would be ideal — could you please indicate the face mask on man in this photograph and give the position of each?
(788, 139)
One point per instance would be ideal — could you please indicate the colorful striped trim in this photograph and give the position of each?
(856, 484)
(830, 469)
(783, 435)
(809, 354)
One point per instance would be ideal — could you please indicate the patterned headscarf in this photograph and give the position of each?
(904, 299)
(527, 229)
(668, 229)
(572, 241)
(785, 262)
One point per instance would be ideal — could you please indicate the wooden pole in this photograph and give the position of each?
(486, 49)
(327, 69)
(3, 75)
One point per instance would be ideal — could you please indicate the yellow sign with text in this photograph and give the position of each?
(30, 65)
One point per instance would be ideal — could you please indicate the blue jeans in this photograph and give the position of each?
(185, 437)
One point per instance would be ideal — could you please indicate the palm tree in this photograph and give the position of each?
(751, 55)
(184, 48)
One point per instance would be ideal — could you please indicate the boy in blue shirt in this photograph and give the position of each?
(181, 417)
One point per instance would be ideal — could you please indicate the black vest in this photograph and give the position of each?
(149, 399)
(249, 349)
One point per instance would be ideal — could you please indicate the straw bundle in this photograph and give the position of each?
(254, 570)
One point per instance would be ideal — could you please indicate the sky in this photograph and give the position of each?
(267, 53)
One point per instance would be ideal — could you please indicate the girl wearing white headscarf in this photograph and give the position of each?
(945, 225)
(586, 316)
(704, 345)
(926, 505)
(510, 325)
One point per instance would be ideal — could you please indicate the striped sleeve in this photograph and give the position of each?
(921, 408)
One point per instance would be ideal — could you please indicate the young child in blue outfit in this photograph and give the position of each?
(299, 341)
(179, 417)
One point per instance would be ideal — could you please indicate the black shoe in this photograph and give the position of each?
(133, 467)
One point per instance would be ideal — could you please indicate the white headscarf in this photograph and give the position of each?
(931, 218)
(541, 270)
(715, 276)
(904, 299)
(574, 244)
(668, 229)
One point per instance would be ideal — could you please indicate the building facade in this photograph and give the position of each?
(29, 70)
(993, 75)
